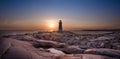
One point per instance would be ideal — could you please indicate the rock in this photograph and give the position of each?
(105, 52)
(72, 50)
(12, 46)
(105, 42)
(15, 49)
(83, 46)
(84, 56)
(41, 49)
(116, 46)
(47, 44)
(55, 51)
(4, 46)
(104, 38)
(40, 46)
(20, 53)
(23, 37)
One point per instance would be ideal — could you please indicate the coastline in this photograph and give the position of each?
(62, 45)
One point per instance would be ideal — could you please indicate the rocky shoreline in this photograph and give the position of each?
(66, 45)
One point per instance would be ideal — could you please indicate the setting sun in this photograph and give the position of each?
(51, 25)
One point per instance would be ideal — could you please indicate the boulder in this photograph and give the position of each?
(84, 56)
(47, 44)
(105, 52)
(104, 38)
(116, 46)
(72, 50)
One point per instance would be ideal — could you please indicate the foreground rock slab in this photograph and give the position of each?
(15, 49)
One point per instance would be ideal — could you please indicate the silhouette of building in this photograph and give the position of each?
(60, 26)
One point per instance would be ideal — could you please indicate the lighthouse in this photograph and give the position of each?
(60, 26)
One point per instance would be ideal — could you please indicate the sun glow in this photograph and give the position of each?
(51, 25)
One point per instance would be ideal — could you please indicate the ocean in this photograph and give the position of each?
(14, 32)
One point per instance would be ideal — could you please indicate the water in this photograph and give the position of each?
(13, 32)
(91, 32)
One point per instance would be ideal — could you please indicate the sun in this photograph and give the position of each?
(51, 25)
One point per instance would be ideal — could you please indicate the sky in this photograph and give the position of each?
(45, 14)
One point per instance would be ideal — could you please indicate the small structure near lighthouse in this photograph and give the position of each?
(60, 29)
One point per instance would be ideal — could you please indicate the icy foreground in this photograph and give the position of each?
(67, 45)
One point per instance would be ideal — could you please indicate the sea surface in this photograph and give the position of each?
(14, 32)
(92, 32)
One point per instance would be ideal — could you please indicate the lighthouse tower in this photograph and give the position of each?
(60, 26)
